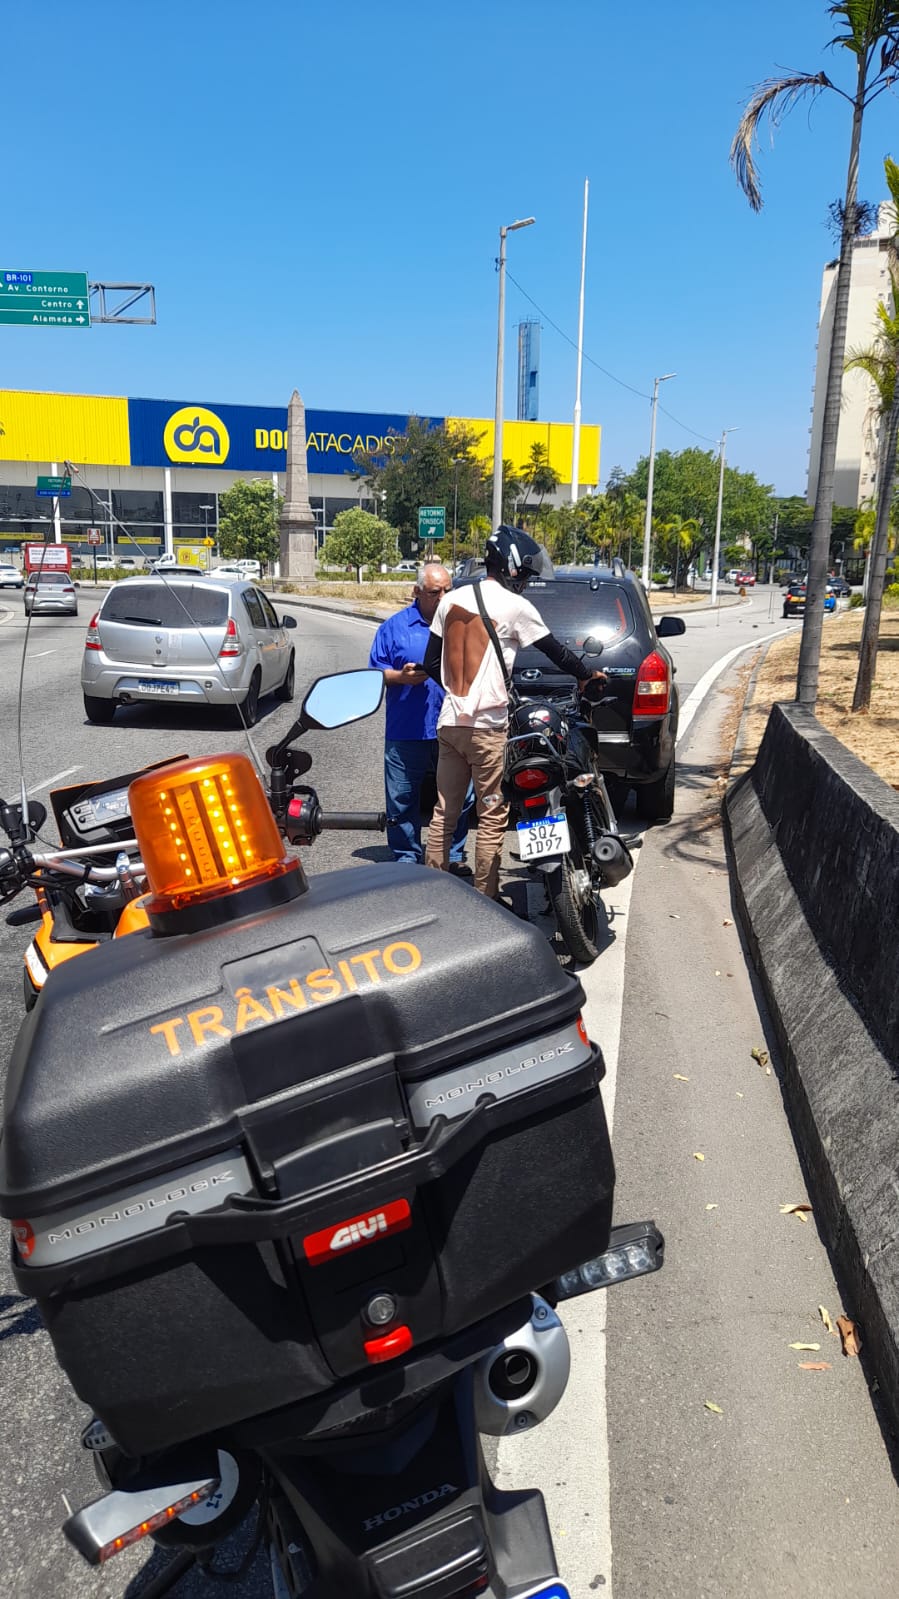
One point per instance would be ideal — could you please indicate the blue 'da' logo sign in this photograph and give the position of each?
(197, 436)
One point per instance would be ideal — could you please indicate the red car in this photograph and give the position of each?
(745, 580)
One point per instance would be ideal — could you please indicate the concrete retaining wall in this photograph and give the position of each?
(815, 841)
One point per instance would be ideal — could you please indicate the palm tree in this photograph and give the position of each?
(869, 30)
(538, 475)
(881, 364)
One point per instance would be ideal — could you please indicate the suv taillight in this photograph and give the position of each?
(653, 691)
(92, 641)
(231, 644)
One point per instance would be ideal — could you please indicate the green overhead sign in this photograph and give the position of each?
(44, 299)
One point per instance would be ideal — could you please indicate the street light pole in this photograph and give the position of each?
(206, 510)
(647, 530)
(457, 462)
(713, 592)
(512, 227)
(576, 432)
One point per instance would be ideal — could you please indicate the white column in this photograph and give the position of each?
(576, 431)
(57, 516)
(167, 510)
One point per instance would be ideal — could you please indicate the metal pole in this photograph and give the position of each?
(497, 509)
(455, 510)
(713, 593)
(576, 434)
(57, 520)
(647, 530)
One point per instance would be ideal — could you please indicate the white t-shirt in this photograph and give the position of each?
(480, 700)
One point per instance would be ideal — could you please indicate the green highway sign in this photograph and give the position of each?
(432, 521)
(44, 299)
(53, 486)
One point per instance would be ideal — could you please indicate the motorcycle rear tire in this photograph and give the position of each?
(577, 923)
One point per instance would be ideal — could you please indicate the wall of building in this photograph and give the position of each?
(856, 464)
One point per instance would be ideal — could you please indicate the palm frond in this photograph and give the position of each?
(772, 99)
(865, 24)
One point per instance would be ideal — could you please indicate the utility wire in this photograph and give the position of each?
(606, 373)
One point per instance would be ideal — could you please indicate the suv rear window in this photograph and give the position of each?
(188, 605)
(577, 610)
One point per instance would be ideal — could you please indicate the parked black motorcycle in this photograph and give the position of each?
(298, 1208)
(565, 823)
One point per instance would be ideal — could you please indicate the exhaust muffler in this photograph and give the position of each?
(520, 1382)
(613, 858)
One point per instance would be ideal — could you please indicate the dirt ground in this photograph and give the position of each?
(874, 736)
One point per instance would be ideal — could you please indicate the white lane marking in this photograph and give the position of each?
(56, 778)
(36, 654)
(568, 1456)
(698, 694)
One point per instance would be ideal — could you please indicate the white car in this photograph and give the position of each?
(105, 563)
(10, 577)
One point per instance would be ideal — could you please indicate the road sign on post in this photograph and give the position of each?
(94, 536)
(53, 488)
(45, 299)
(431, 522)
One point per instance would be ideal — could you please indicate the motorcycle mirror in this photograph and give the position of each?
(593, 645)
(300, 760)
(341, 698)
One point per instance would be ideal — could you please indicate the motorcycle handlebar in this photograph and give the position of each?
(347, 821)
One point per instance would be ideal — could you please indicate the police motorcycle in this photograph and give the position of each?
(564, 822)
(300, 1224)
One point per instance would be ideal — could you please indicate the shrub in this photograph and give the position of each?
(855, 600)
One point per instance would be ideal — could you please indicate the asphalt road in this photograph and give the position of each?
(790, 1487)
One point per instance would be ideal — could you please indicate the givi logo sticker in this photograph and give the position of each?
(395, 1217)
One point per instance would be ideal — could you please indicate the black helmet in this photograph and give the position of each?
(514, 557)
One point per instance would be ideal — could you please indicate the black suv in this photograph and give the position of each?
(636, 720)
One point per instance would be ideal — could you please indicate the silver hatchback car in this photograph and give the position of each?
(192, 641)
(50, 594)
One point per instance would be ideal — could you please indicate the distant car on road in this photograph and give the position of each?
(10, 577)
(745, 580)
(729, 577)
(840, 587)
(130, 563)
(200, 642)
(49, 594)
(794, 600)
(104, 563)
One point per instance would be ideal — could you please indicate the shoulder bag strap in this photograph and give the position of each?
(491, 634)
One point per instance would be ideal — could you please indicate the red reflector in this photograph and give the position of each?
(653, 689)
(582, 1031)
(398, 1342)
(24, 1237)
(530, 777)
(533, 800)
(231, 645)
(395, 1217)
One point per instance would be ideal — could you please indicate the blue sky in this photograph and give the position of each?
(316, 191)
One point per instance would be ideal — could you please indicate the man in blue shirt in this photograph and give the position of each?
(413, 705)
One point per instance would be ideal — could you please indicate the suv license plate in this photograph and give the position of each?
(548, 836)
(157, 688)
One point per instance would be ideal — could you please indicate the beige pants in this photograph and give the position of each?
(476, 754)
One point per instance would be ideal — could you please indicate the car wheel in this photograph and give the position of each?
(248, 714)
(655, 801)
(285, 692)
(100, 712)
(786, 613)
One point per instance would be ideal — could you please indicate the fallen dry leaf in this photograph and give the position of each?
(716, 1409)
(850, 1336)
(727, 922)
(711, 1207)
(824, 1313)
(761, 1055)
(799, 1211)
(805, 1346)
(814, 1365)
(673, 916)
(739, 1095)
(679, 1079)
(697, 1155)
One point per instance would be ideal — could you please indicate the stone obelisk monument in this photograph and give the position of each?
(297, 520)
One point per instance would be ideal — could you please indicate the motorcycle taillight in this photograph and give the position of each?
(530, 777)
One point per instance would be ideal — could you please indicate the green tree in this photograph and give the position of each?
(880, 362)
(869, 31)
(538, 476)
(429, 464)
(686, 486)
(358, 539)
(248, 521)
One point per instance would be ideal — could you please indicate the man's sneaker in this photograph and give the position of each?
(460, 869)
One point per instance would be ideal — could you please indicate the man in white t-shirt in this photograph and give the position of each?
(471, 728)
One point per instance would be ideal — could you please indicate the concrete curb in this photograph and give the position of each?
(839, 1082)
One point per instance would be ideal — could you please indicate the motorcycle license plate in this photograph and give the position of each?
(158, 688)
(548, 836)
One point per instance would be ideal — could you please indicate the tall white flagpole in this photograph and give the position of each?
(576, 433)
